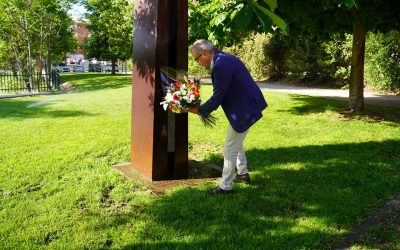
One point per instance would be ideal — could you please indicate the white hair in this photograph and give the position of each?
(202, 45)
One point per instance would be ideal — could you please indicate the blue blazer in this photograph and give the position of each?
(235, 90)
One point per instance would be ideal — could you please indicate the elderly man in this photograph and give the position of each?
(242, 101)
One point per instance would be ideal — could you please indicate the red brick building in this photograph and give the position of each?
(81, 32)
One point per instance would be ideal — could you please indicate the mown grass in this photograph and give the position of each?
(316, 174)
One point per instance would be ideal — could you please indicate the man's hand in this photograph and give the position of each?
(195, 110)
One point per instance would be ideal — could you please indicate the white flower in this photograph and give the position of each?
(164, 104)
(187, 99)
(169, 97)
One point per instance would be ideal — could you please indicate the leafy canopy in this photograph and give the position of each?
(111, 27)
(225, 22)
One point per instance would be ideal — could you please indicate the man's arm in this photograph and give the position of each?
(221, 85)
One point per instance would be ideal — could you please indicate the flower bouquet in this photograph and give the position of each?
(182, 94)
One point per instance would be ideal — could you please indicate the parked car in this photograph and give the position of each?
(109, 68)
(78, 68)
(62, 67)
(94, 68)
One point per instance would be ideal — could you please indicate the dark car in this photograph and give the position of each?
(94, 68)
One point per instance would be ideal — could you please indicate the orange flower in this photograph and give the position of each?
(196, 90)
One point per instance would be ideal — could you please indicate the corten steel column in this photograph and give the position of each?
(159, 147)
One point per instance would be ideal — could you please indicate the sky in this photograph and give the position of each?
(76, 12)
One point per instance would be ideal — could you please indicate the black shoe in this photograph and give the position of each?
(242, 178)
(219, 190)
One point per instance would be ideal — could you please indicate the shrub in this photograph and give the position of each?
(306, 55)
(325, 62)
(337, 63)
(382, 61)
(252, 51)
(276, 50)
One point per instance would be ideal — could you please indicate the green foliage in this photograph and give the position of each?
(36, 31)
(4, 52)
(226, 23)
(111, 29)
(305, 55)
(338, 60)
(357, 17)
(382, 68)
(277, 51)
(324, 62)
(252, 51)
(202, 18)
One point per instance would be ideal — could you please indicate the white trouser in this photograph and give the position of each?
(234, 157)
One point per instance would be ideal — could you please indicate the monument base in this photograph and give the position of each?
(198, 172)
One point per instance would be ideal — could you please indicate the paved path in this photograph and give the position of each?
(2, 96)
(339, 94)
(369, 97)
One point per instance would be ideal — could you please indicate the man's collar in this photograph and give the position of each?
(212, 60)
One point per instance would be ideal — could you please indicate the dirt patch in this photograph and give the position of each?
(199, 172)
(67, 87)
(367, 116)
(382, 227)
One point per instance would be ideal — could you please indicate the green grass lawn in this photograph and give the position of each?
(316, 174)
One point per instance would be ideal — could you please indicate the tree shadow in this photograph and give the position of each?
(20, 108)
(311, 105)
(300, 197)
(306, 105)
(92, 81)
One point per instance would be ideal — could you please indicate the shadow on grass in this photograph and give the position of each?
(300, 198)
(97, 81)
(21, 108)
(313, 105)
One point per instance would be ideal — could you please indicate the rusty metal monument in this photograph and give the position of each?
(159, 146)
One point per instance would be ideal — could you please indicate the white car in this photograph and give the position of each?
(78, 68)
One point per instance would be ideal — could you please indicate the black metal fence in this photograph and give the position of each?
(17, 82)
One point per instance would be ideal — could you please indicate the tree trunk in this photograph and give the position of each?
(113, 61)
(29, 79)
(356, 88)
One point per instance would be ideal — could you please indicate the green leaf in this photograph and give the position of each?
(265, 20)
(272, 4)
(235, 11)
(243, 17)
(275, 18)
(218, 19)
(348, 3)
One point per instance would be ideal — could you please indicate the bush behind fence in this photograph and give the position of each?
(16, 82)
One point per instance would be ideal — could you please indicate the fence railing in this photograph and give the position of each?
(38, 82)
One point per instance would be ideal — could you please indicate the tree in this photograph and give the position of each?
(34, 30)
(111, 28)
(357, 17)
(56, 36)
(228, 22)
